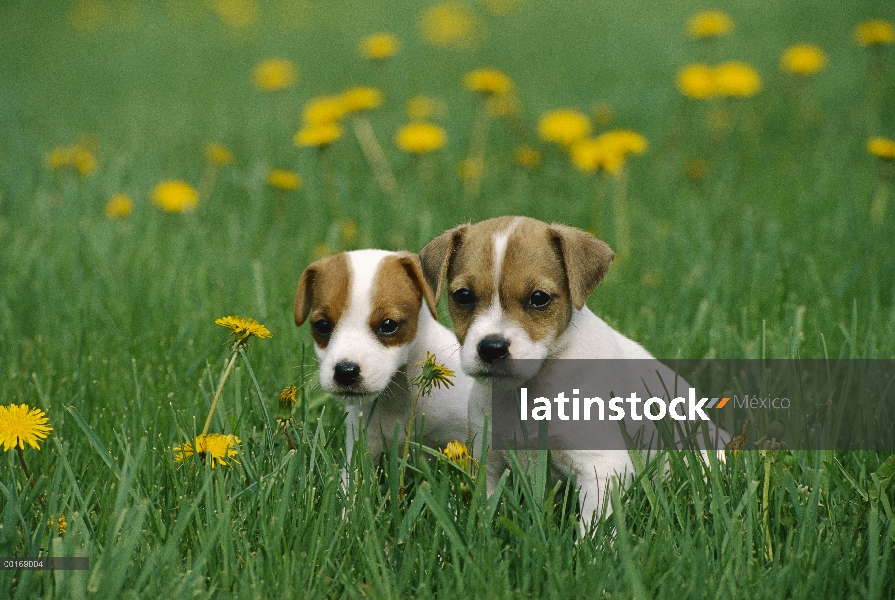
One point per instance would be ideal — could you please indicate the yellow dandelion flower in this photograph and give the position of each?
(287, 395)
(61, 524)
(526, 156)
(435, 374)
(323, 109)
(349, 230)
(881, 147)
(379, 46)
(471, 169)
(175, 196)
(457, 452)
(287, 406)
(283, 180)
(487, 81)
(737, 442)
(563, 126)
(120, 206)
(275, 74)
(737, 79)
(218, 446)
(450, 24)
(318, 134)
(593, 154)
(20, 424)
(711, 23)
(81, 157)
(218, 154)
(361, 98)
(57, 158)
(624, 141)
(422, 108)
(236, 13)
(420, 138)
(83, 160)
(696, 81)
(244, 327)
(875, 32)
(803, 59)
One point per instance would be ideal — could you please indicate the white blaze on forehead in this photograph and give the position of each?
(364, 265)
(500, 239)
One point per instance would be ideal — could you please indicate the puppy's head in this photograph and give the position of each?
(363, 307)
(512, 284)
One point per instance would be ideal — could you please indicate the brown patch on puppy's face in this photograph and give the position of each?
(323, 293)
(396, 298)
(534, 289)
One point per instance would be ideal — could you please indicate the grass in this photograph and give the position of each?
(108, 325)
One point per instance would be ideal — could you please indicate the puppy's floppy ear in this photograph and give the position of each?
(411, 264)
(586, 259)
(330, 265)
(305, 291)
(435, 257)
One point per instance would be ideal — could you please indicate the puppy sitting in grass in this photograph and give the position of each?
(370, 329)
(517, 288)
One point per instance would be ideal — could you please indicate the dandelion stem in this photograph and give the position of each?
(260, 396)
(330, 182)
(369, 145)
(620, 213)
(28, 475)
(765, 507)
(289, 439)
(476, 158)
(217, 394)
(406, 453)
(206, 183)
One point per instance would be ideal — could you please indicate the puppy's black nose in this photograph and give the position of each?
(346, 373)
(493, 347)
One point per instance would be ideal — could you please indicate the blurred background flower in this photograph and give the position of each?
(379, 46)
(175, 196)
(120, 206)
(451, 24)
(275, 74)
(708, 24)
(874, 33)
(420, 138)
(803, 59)
(563, 126)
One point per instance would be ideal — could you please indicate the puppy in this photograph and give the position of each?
(370, 328)
(517, 288)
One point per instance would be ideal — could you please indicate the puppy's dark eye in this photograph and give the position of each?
(322, 327)
(388, 327)
(539, 299)
(463, 297)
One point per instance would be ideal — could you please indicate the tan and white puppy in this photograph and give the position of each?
(517, 288)
(370, 328)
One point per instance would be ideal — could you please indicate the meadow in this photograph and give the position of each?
(754, 222)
